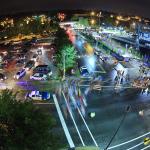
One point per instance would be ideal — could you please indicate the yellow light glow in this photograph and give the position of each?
(92, 13)
(92, 21)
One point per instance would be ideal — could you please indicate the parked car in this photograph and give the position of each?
(84, 71)
(45, 69)
(38, 76)
(21, 62)
(2, 77)
(38, 95)
(29, 65)
(20, 74)
(39, 52)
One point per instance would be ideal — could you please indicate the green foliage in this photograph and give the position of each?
(84, 21)
(74, 18)
(23, 126)
(61, 39)
(35, 26)
(69, 53)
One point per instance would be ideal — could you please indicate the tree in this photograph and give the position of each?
(69, 53)
(23, 126)
(61, 39)
(84, 22)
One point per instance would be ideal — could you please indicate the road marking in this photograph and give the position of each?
(73, 120)
(135, 146)
(73, 99)
(129, 140)
(63, 123)
(146, 147)
(87, 127)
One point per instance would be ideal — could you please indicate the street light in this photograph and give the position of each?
(117, 22)
(127, 109)
(92, 21)
(92, 13)
(99, 15)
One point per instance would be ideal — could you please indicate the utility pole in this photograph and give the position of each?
(64, 65)
(100, 13)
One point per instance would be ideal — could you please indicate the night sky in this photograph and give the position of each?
(135, 7)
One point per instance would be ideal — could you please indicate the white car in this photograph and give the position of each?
(20, 74)
(38, 95)
(38, 76)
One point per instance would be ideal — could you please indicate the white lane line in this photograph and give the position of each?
(145, 147)
(63, 123)
(135, 146)
(73, 120)
(87, 127)
(73, 99)
(129, 140)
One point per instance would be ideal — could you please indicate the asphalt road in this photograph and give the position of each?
(109, 106)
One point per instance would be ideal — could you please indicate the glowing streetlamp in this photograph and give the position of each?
(112, 16)
(117, 22)
(93, 21)
(92, 13)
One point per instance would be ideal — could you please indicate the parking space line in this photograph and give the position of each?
(73, 120)
(129, 141)
(63, 123)
(135, 146)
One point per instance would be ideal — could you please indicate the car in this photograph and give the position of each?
(2, 77)
(29, 65)
(20, 74)
(146, 141)
(84, 71)
(39, 51)
(38, 95)
(35, 57)
(38, 76)
(21, 62)
(45, 69)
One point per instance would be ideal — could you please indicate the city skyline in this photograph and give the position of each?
(134, 7)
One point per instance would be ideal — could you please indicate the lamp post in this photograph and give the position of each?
(64, 65)
(99, 17)
(124, 116)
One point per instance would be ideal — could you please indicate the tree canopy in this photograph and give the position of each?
(23, 126)
(69, 53)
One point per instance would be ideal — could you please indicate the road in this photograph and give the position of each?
(109, 106)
